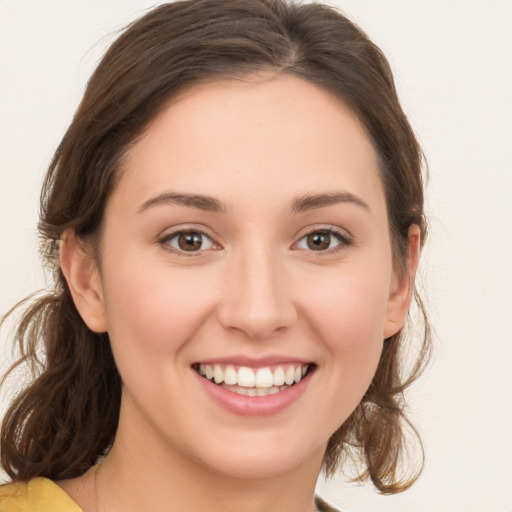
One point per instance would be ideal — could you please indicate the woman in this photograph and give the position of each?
(234, 219)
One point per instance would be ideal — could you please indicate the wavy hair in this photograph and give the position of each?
(65, 419)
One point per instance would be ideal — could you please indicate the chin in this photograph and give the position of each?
(261, 457)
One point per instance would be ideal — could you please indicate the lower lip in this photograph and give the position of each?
(243, 405)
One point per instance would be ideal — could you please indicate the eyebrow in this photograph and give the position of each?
(200, 202)
(210, 204)
(315, 201)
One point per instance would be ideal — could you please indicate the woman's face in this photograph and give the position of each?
(248, 239)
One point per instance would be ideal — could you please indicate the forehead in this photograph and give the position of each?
(264, 135)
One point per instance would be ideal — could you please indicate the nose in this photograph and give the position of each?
(257, 299)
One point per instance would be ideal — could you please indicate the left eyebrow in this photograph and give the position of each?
(315, 201)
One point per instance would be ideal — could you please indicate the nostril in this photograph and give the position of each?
(257, 305)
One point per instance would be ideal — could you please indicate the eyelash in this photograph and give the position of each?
(167, 238)
(343, 239)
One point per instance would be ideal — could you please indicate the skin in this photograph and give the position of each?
(255, 288)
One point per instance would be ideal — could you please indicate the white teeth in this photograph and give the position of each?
(278, 378)
(255, 391)
(240, 390)
(289, 376)
(230, 375)
(218, 374)
(246, 377)
(264, 378)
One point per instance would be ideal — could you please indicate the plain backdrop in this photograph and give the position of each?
(452, 61)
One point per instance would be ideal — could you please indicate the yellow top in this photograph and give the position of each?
(43, 495)
(36, 495)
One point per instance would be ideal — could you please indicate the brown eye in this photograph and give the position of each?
(322, 240)
(190, 241)
(318, 241)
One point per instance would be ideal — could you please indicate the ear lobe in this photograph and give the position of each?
(84, 281)
(403, 288)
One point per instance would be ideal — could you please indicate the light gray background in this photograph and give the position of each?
(453, 67)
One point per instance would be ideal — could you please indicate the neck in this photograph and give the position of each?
(135, 474)
(121, 487)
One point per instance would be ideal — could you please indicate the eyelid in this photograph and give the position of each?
(343, 236)
(345, 239)
(164, 239)
(329, 228)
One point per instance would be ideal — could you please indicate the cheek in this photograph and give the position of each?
(349, 326)
(347, 316)
(154, 311)
(351, 306)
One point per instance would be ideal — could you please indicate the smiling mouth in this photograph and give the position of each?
(247, 381)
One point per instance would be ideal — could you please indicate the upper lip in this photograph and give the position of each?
(255, 362)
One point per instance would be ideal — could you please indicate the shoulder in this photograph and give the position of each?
(323, 506)
(36, 495)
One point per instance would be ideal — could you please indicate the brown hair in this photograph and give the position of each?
(67, 417)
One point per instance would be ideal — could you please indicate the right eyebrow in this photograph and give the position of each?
(200, 202)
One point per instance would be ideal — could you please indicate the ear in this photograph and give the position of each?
(403, 286)
(84, 281)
